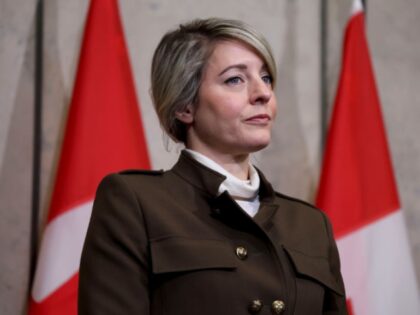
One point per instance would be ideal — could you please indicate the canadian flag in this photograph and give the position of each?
(359, 193)
(104, 134)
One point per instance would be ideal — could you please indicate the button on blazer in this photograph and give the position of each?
(166, 243)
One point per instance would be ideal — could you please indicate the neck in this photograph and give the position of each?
(236, 164)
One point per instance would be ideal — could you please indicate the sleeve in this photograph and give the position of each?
(114, 276)
(334, 303)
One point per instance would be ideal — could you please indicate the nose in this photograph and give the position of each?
(260, 92)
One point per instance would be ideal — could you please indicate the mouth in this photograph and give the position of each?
(261, 119)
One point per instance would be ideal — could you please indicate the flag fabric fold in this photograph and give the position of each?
(103, 134)
(358, 190)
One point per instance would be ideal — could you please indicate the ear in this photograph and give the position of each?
(187, 115)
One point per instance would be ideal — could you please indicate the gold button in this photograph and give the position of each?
(278, 306)
(241, 252)
(255, 306)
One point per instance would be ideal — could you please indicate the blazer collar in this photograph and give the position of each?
(209, 180)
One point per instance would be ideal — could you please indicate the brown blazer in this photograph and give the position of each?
(164, 243)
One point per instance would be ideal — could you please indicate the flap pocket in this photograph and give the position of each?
(316, 268)
(178, 254)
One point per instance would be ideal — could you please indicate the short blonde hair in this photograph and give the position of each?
(180, 58)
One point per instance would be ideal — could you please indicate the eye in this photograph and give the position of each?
(268, 79)
(233, 80)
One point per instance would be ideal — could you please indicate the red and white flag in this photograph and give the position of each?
(359, 193)
(104, 134)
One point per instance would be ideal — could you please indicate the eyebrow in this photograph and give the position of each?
(240, 66)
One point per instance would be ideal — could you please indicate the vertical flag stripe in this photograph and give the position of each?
(103, 134)
(358, 191)
(378, 269)
(356, 151)
(59, 256)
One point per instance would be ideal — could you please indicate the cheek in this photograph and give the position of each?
(226, 109)
(233, 105)
(220, 106)
(274, 107)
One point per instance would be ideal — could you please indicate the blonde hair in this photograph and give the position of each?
(180, 58)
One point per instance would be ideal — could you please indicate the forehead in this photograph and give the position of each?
(228, 52)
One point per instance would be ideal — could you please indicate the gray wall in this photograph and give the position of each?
(292, 27)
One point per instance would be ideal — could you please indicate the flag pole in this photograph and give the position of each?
(323, 73)
(37, 138)
(364, 3)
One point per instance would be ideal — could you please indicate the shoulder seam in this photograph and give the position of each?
(140, 171)
(297, 200)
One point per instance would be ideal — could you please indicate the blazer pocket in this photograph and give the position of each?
(316, 268)
(177, 254)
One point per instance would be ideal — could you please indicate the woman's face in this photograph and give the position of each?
(236, 104)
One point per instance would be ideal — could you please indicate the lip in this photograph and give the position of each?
(260, 119)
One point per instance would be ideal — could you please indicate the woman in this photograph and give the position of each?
(209, 236)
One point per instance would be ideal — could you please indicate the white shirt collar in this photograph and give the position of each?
(237, 188)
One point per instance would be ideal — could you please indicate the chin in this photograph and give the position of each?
(258, 145)
(262, 140)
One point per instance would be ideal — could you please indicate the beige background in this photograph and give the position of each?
(293, 159)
